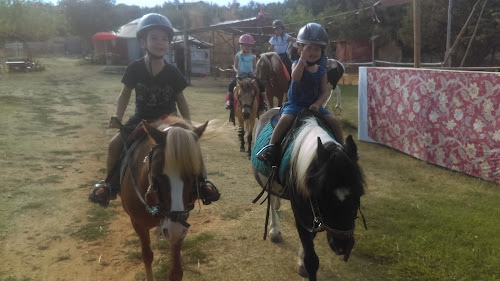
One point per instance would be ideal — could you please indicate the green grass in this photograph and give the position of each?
(12, 278)
(424, 222)
(193, 251)
(98, 219)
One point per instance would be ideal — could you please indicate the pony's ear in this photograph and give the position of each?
(351, 149)
(321, 149)
(154, 134)
(199, 130)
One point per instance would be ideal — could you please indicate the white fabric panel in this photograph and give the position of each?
(363, 106)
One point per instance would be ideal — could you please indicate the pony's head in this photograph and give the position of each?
(174, 165)
(340, 184)
(268, 64)
(330, 180)
(245, 96)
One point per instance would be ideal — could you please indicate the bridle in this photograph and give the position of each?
(158, 211)
(242, 106)
(318, 223)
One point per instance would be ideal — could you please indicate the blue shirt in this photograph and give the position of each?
(305, 92)
(280, 43)
(245, 63)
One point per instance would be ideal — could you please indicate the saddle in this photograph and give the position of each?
(334, 71)
(287, 143)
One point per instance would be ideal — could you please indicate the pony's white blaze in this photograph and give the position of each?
(304, 150)
(176, 191)
(342, 193)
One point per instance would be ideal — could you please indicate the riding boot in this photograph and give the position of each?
(108, 189)
(269, 155)
(263, 102)
(229, 100)
(207, 192)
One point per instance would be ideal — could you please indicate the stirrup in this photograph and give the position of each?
(208, 192)
(268, 155)
(101, 193)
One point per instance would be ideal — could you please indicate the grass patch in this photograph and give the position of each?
(97, 223)
(32, 206)
(51, 179)
(133, 255)
(13, 278)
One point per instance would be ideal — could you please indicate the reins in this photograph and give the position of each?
(176, 216)
(151, 209)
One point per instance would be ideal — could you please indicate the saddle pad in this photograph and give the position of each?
(263, 140)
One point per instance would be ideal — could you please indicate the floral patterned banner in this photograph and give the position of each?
(449, 118)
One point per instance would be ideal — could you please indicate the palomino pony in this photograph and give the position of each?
(246, 110)
(271, 71)
(322, 180)
(158, 187)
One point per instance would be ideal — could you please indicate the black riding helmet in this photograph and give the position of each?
(313, 33)
(278, 23)
(152, 20)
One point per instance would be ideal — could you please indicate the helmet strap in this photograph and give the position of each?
(153, 56)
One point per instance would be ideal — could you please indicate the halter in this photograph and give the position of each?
(318, 224)
(175, 216)
(246, 105)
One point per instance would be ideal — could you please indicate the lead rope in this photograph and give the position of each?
(363, 217)
(267, 188)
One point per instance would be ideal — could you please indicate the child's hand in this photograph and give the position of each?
(114, 123)
(304, 55)
(314, 107)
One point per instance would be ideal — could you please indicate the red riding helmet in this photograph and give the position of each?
(246, 39)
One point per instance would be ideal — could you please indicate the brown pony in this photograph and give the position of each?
(158, 187)
(246, 109)
(271, 71)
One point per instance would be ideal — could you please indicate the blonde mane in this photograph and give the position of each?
(183, 152)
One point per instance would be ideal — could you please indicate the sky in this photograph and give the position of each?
(152, 3)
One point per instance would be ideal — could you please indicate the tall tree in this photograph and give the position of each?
(87, 17)
(29, 21)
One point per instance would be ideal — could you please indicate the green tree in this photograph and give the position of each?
(87, 17)
(29, 21)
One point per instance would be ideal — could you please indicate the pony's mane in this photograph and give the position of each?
(304, 150)
(182, 151)
(272, 63)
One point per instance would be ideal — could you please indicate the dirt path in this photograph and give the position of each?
(53, 142)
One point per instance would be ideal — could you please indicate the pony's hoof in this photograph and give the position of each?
(242, 150)
(303, 272)
(276, 237)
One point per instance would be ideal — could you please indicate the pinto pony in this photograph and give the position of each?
(272, 72)
(158, 187)
(322, 180)
(246, 110)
